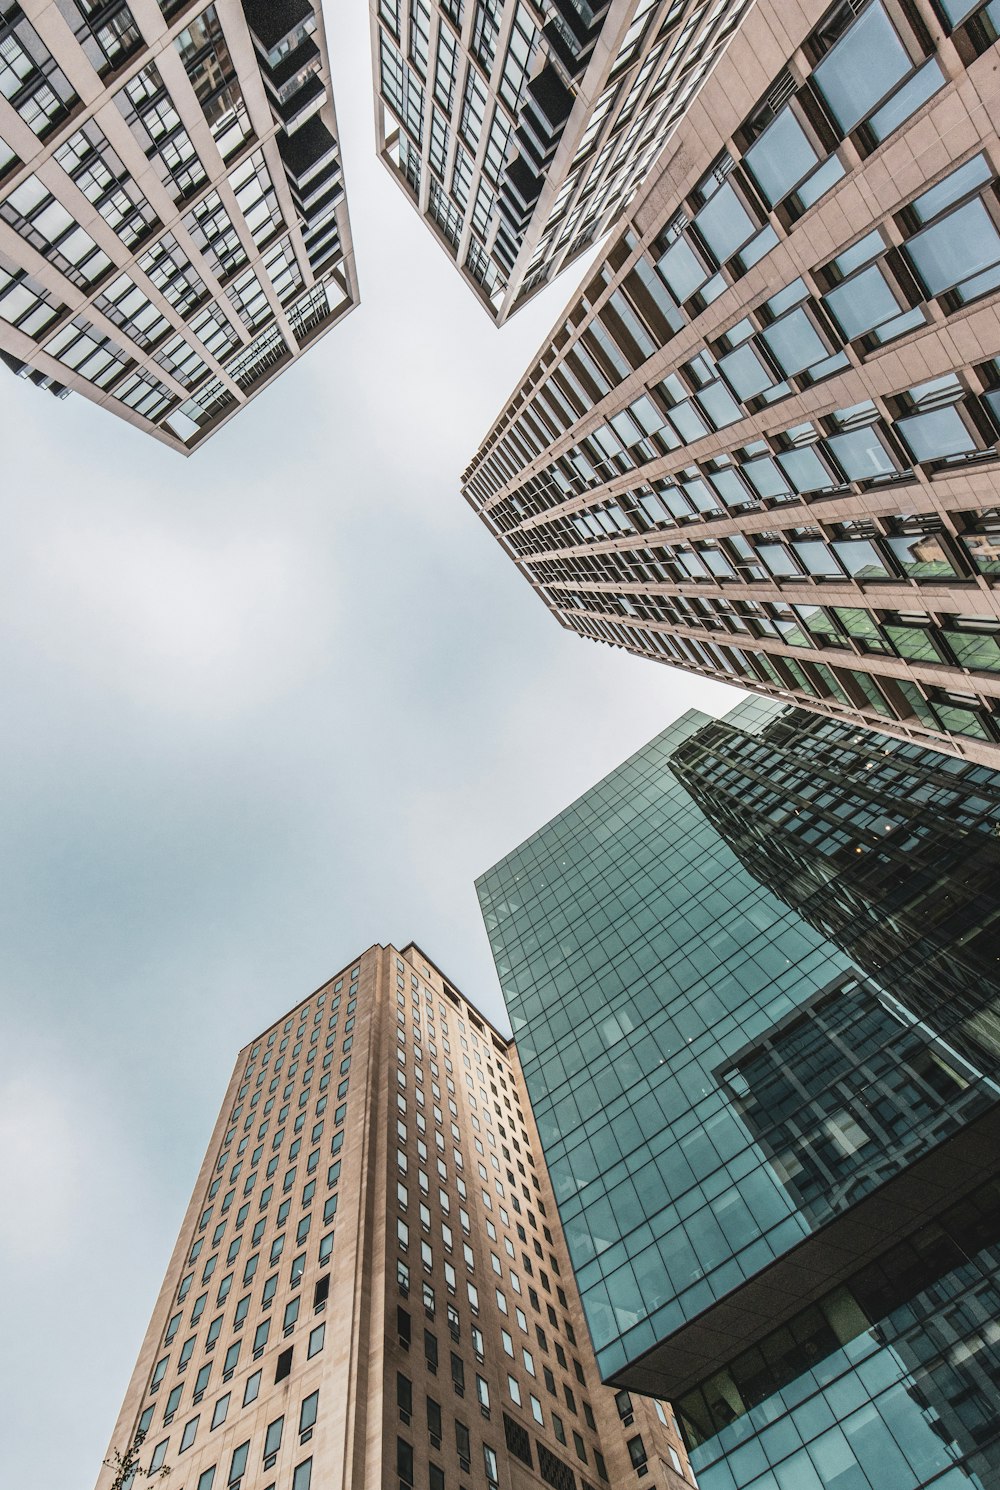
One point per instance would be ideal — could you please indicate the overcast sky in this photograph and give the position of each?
(263, 708)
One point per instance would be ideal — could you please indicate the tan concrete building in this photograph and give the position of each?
(370, 1287)
(520, 130)
(761, 443)
(173, 225)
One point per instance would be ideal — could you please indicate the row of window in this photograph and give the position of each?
(866, 296)
(274, 1434)
(939, 709)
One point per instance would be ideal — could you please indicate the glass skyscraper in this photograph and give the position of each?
(753, 981)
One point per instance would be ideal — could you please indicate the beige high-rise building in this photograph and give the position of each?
(370, 1287)
(173, 225)
(761, 442)
(519, 130)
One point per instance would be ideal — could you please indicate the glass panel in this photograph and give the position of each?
(984, 550)
(731, 489)
(978, 650)
(681, 269)
(766, 477)
(862, 302)
(719, 405)
(745, 372)
(818, 559)
(781, 157)
(805, 470)
(820, 182)
(755, 250)
(958, 184)
(922, 86)
(689, 423)
(921, 555)
(794, 342)
(860, 558)
(862, 68)
(724, 223)
(961, 721)
(932, 436)
(950, 251)
(861, 454)
(859, 623)
(914, 642)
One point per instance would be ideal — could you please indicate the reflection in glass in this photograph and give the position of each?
(937, 434)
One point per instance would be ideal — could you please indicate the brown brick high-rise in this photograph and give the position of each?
(370, 1287)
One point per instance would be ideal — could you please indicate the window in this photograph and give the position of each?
(637, 1452)
(205, 54)
(959, 252)
(239, 1462)
(863, 66)
(307, 1416)
(272, 1441)
(404, 1396)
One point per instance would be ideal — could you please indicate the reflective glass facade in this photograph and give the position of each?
(891, 850)
(773, 1135)
(761, 442)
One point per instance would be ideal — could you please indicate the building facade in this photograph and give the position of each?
(519, 131)
(370, 1286)
(173, 225)
(761, 444)
(773, 1144)
(887, 850)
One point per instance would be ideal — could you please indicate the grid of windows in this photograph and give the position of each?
(239, 1348)
(227, 196)
(698, 1088)
(507, 89)
(691, 464)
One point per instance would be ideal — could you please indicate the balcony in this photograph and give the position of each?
(279, 27)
